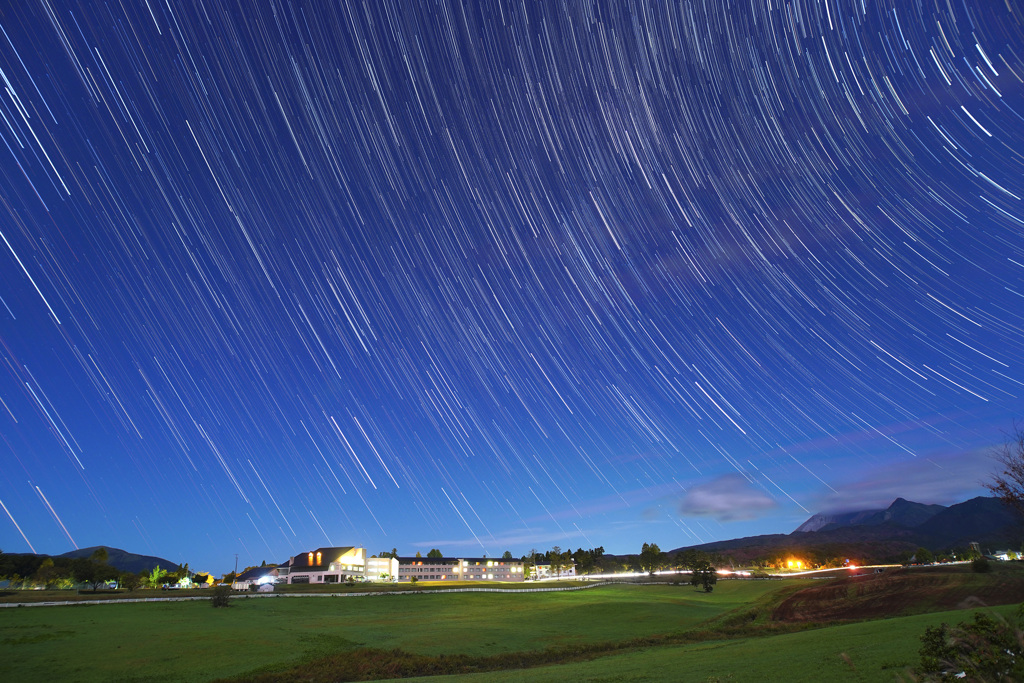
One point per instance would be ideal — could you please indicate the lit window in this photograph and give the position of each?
(310, 558)
(319, 558)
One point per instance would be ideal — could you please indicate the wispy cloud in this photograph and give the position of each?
(942, 479)
(728, 498)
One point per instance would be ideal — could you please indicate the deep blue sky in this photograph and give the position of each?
(500, 276)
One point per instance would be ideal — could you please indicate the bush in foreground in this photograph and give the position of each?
(988, 649)
(221, 596)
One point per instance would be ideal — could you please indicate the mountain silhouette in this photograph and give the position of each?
(125, 561)
(887, 534)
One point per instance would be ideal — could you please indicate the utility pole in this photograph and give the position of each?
(236, 564)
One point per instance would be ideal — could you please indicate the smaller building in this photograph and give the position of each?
(257, 576)
(381, 569)
(543, 571)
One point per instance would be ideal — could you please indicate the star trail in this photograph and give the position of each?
(500, 275)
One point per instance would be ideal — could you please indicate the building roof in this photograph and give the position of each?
(256, 573)
(428, 560)
(327, 555)
(455, 560)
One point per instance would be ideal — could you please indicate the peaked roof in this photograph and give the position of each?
(327, 556)
(255, 573)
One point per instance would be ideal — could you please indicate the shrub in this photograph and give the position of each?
(221, 596)
(130, 581)
(987, 649)
(980, 565)
(704, 576)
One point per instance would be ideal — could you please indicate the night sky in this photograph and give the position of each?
(409, 274)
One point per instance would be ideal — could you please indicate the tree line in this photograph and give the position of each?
(54, 573)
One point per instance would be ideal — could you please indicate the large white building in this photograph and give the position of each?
(337, 565)
(459, 569)
(341, 564)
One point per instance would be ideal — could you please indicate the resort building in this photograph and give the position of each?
(459, 569)
(337, 565)
(381, 569)
(348, 563)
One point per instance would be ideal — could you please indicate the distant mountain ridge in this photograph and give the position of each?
(125, 561)
(902, 512)
(886, 534)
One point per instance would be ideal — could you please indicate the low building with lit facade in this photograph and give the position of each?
(256, 576)
(337, 565)
(459, 569)
(349, 563)
(542, 570)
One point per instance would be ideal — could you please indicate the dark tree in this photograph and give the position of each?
(555, 560)
(507, 555)
(130, 581)
(651, 558)
(49, 574)
(690, 558)
(704, 576)
(1008, 485)
(86, 570)
(434, 552)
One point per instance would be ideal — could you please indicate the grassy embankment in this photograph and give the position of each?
(609, 633)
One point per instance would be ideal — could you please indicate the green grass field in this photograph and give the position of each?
(690, 636)
(868, 652)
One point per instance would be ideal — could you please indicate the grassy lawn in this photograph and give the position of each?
(190, 641)
(868, 652)
(634, 632)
